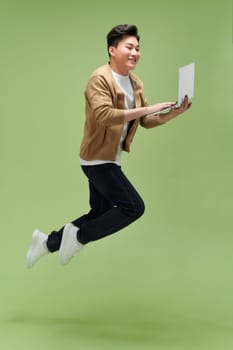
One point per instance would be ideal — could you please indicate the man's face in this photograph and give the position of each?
(126, 55)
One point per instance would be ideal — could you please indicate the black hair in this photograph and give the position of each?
(117, 33)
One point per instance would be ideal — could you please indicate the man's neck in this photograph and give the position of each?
(118, 70)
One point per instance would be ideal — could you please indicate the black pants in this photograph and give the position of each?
(114, 205)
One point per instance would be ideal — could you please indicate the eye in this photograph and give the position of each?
(132, 47)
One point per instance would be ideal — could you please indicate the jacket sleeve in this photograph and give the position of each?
(148, 121)
(100, 102)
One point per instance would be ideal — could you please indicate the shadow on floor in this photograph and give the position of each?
(172, 331)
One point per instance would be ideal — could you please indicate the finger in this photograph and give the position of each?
(187, 106)
(185, 101)
(172, 104)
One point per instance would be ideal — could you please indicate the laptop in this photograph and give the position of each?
(185, 85)
(185, 82)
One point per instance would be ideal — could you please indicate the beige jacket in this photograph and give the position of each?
(105, 115)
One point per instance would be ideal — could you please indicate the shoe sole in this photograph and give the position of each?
(63, 244)
(65, 239)
(32, 246)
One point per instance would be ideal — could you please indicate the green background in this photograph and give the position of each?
(165, 282)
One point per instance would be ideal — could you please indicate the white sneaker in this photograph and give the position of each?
(69, 244)
(37, 248)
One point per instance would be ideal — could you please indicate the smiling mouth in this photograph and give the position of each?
(132, 60)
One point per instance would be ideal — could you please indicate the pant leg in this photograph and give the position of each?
(114, 205)
(98, 205)
(126, 203)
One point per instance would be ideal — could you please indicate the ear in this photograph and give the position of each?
(111, 50)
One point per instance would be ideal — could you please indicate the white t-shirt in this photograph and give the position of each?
(125, 84)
